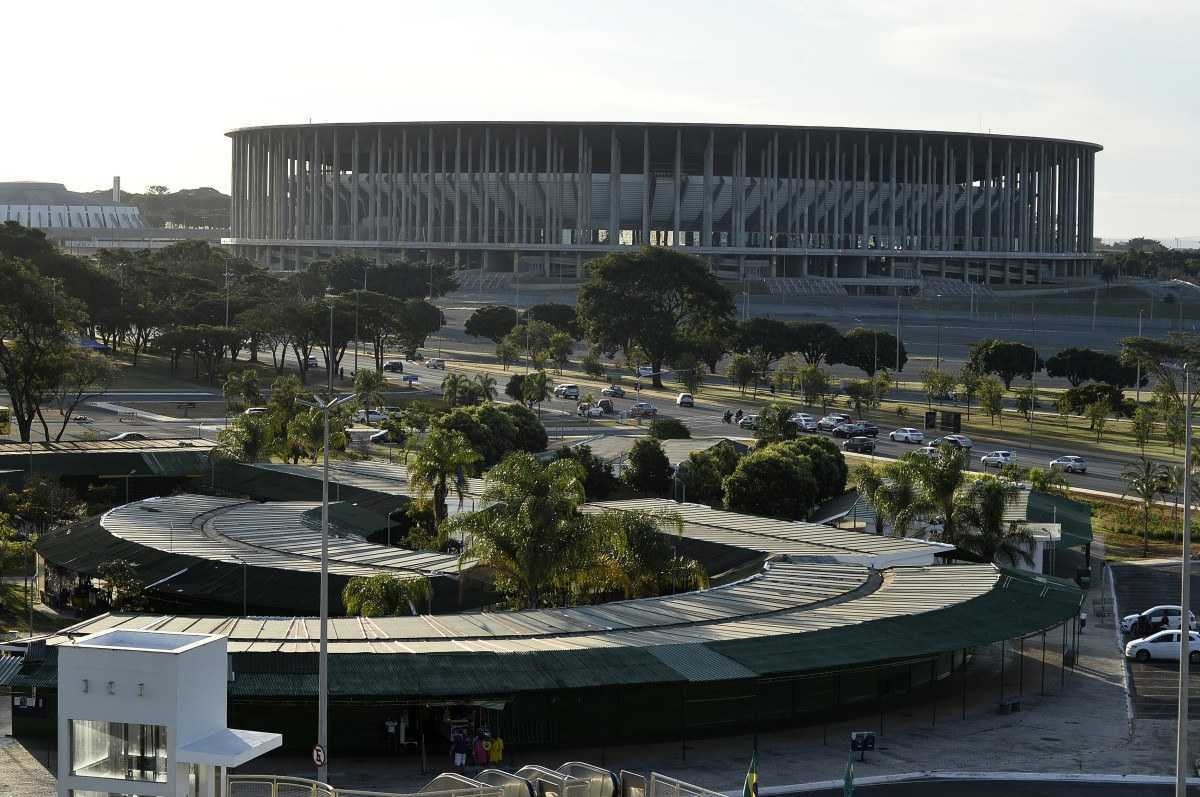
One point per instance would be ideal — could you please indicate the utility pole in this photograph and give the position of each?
(1182, 765)
(937, 366)
(897, 330)
(1138, 384)
(1034, 368)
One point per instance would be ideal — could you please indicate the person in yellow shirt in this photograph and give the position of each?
(496, 753)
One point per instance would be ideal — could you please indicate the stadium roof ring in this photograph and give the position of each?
(859, 207)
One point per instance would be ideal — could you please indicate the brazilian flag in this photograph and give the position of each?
(848, 782)
(751, 787)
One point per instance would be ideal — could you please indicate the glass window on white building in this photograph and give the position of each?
(122, 750)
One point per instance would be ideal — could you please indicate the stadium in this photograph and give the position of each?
(807, 209)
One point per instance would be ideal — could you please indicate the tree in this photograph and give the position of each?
(650, 300)
(490, 431)
(766, 337)
(122, 583)
(33, 339)
(369, 387)
(560, 316)
(531, 435)
(599, 481)
(703, 472)
(590, 364)
(895, 495)
(1048, 480)
(862, 394)
(245, 438)
(868, 350)
(669, 429)
(773, 481)
(446, 455)
(536, 340)
(828, 464)
(558, 350)
(1026, 402)
(991, 399)
(413, 323)
(1097, 414)
(940, 478)
(642, 557)
(689, 372)
(1063, 406)
(775, 424)
(515, 388)
(535, 389)
(1078, 365)
(936, 384)
(241, 389)
(981, 531)
(815, 341)
(1007, 359)
(455, 389)
(1143, 480)
(1142, 427)
(531, 535)
(84, 376)
(385, 595)
(969, 380)
(1080, 397)
(648, 470)
(492, 321)
(486, 384)
(1159, 359)
(816, 386)
(741, 371)
(507, 353)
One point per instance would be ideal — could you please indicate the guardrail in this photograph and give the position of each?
(663, 786)
(284, 786)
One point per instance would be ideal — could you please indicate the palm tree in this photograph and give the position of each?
(639, 556)
(900, 499)
(446, 455)
(982, 531)
(454, 386)
(241, 389)
(869, 484)
(368, 388)
(531, 536)
(535, 389)
(939, 478)
(385, 595)
(1173, 482)
(486, 384)
(1048, 481)
(1143, 480)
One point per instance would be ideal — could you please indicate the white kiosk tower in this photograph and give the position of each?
(144, 712)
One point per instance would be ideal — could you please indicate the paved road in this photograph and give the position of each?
(1001, 788)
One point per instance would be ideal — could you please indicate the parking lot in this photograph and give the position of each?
(1153, 685)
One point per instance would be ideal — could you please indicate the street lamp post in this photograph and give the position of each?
(937, 366)
(1185, 588)
(1138, 384)
(356, 298)
(897, 330)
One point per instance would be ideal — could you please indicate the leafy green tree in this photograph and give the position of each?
(1063, 406)
(1142, 427)
(991, 399)
(828, 463)
(641, 555)
(940, 478)
(1159, 359)
(241, 389)
(969, 380)
(535, 389)
(773, 481)
(766, 339)
(1026, 402)
(895, 494)
(704, 472)
(669, 429)
(650, 300)
(531, 535)
(531, 434)
(741, 371)
(492, 321)
(558, 350)
(369, 387)
(1143, 480)
(936, 384)
(1097, 414)
(869, 350)
(648, 470)
(861, 393)
(535, 340)
(385, 595)
(1007, 359)
(455, 389)
(246, 438)
(1080, 365)
(122, 583)
(83, 376)
(1047, 480)
(815, 342)
(599, 481)
(590, 364)
(412, 325)
(507, 353)
(446, 459)
(304, 436)
(816, 386)
(560, 316)
(980, 529)
(515, 388)
(486, 383)
(775, 424)
(689, 372)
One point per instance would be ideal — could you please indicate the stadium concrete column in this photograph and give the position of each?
(353, 205)
(614, 187)
(646, 187)
(707, 211)
(678, 184)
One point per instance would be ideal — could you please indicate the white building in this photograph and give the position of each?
(143, 713)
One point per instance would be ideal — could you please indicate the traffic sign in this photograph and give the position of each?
(318, 755)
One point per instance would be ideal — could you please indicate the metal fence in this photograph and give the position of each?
(282, 786)
(663, 786)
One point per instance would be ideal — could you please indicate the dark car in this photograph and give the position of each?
(395, 366)
(859, 445)
(850, 429)
(869, 429)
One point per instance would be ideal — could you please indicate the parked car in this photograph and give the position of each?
(606, 406)
(645, 371)
(395, 366)
(643, 409)
(749, 422)
(82, 418)
(804, 422)
(1069, 464)
(255, 411)
(370, 416)
(435, 362)
(566, 391)
(1163, 645)
(1157, 618)
(128, 436)
(685, 400)
(996, 459)
(613, 391)
(907, 435)
(831, 421)
(590, 410)
(861, 445)
(849, 429)
(311, 362)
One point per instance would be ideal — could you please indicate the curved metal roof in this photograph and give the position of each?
(670, 125)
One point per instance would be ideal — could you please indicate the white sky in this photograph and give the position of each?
(147, 90)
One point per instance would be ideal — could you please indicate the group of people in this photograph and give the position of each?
(486, 750)
(732, 417)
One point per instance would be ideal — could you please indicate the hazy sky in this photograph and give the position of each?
(147, 90)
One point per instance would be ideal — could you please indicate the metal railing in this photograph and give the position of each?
(283, 786)
(663, 786)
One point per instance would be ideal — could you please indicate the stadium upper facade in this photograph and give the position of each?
(860, 206)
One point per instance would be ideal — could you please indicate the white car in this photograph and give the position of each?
(372, 416)
(435, 362)
(590, 411)
(907, 435)
(685, 400)
(957, 440)
(645, 371)
(567, 392)
(832, 421)
(749, 422)
(613, 391)
(804, 422)
(926, 451)
(643, 409)
(996, 459)
(1156, 618)
(124, 436)
(1069, 464)
(1163, 645)
(311, 362)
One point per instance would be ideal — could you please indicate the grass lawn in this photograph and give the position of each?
(14, 612)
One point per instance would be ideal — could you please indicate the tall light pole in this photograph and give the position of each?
(897, 330)
(1185, 597)
(1033, 368)
(1138, 384)
(325, 405)
(227, 276)
(937, 366)
(356, 298)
